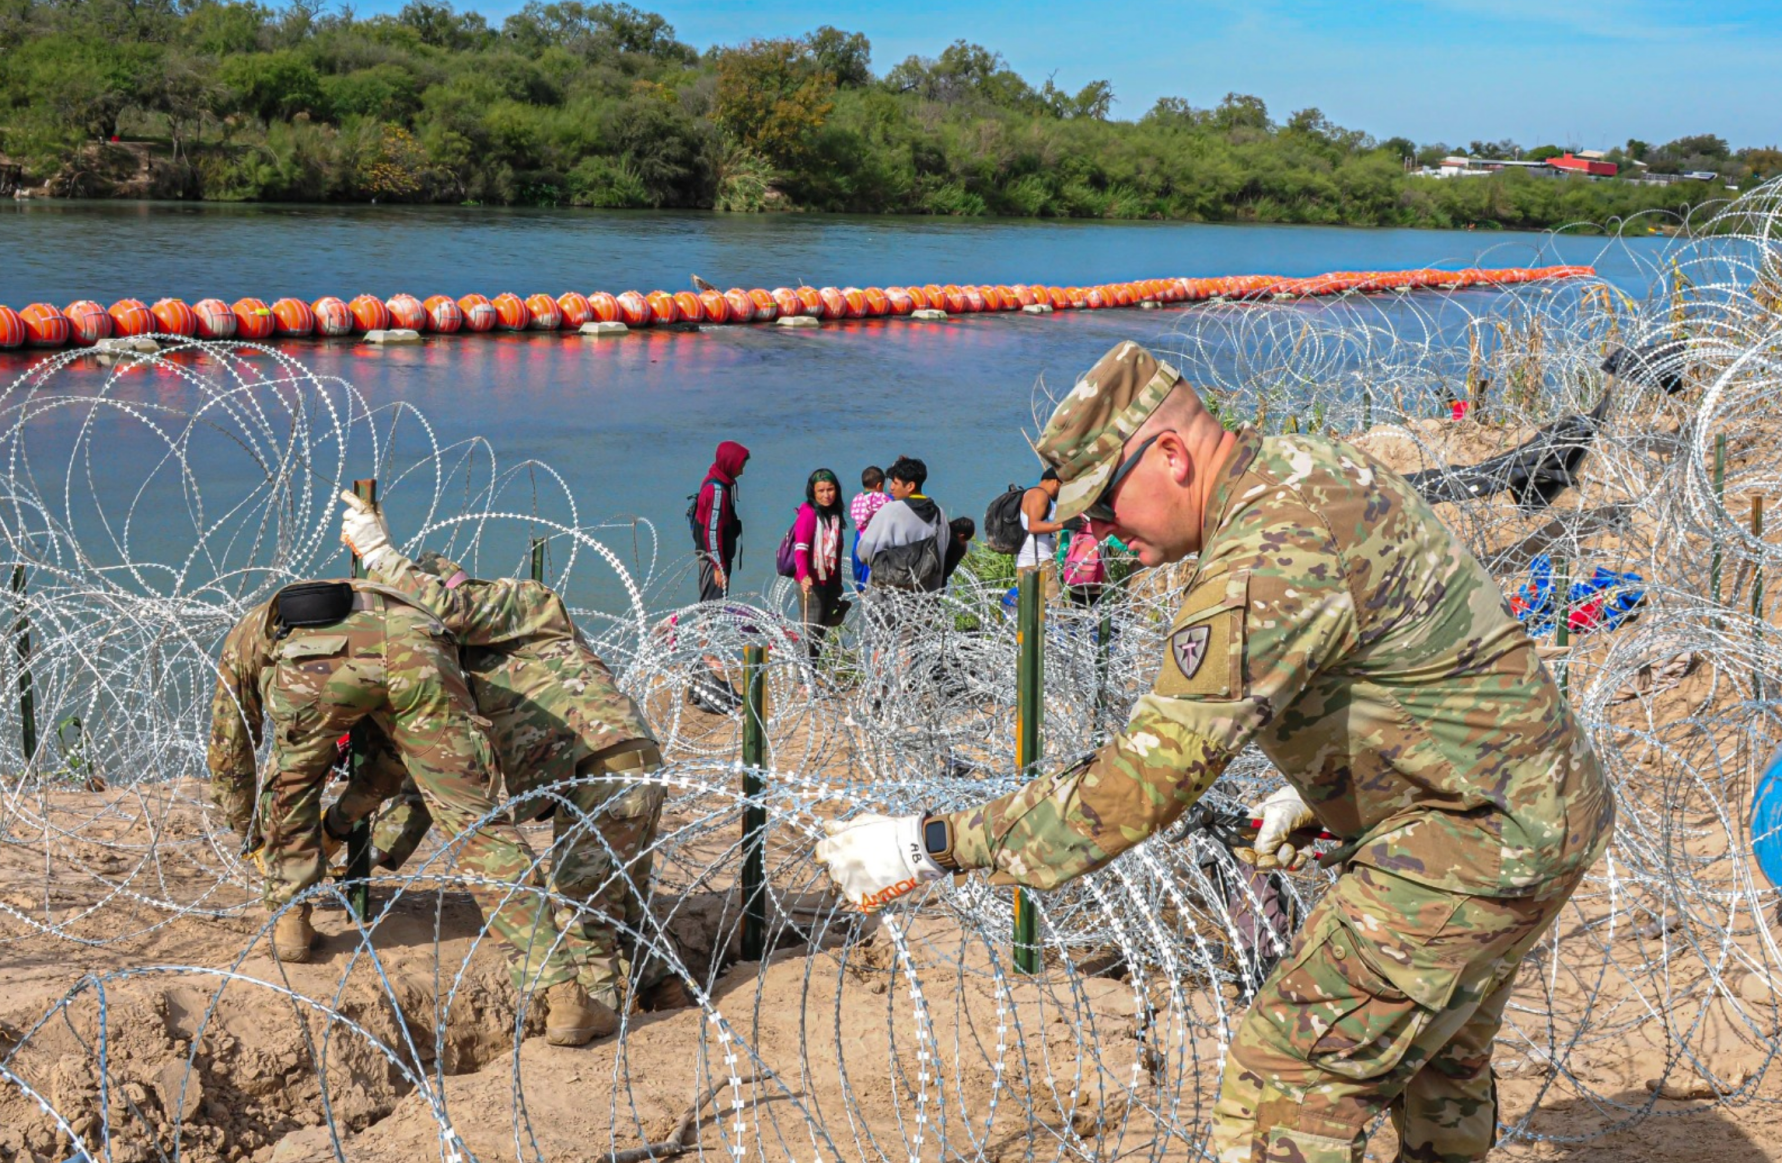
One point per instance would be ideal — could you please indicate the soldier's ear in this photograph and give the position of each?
(1177, 459)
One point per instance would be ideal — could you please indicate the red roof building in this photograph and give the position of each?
(1580, 165)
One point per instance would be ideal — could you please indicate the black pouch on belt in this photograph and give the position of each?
(314, 604)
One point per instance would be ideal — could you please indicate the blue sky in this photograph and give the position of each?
(1590, 72)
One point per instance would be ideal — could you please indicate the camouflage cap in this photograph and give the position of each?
(1083, 438)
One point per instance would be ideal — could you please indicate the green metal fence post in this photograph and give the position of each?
(1757, 594)
(358, 865)
(21, 630)
(538, 560)
(1714, 565)
(1030, 621)
(754, 757)
(1561, 601)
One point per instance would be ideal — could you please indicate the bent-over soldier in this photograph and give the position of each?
(1333, 621)
(571, 744)
(321, 657)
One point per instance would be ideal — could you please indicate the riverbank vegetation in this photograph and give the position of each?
(601, 105)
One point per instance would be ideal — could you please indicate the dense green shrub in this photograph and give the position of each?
(599, 105)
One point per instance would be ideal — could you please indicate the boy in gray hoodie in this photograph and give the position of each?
(906, 544)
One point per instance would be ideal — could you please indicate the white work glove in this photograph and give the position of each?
(875, 859)
(362, 528)
(1282, 814)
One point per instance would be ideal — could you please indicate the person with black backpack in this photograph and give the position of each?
(716, 528)
(906, 545)
(714, 523)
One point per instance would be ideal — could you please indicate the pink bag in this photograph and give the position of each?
(1083, 565)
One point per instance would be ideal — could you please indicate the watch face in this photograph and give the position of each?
(934, 836)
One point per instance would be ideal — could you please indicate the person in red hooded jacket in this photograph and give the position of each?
(716, 524)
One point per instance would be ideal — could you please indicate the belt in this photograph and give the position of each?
(363, 600)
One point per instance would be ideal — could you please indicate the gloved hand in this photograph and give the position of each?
(1282, 814)
(334, 834)
(362, 528)
(875, 859)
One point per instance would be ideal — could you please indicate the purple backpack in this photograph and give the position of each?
(785, 561)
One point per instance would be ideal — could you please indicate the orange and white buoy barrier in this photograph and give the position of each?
(85, 322)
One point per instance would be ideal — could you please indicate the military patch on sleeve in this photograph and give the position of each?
(1189, 647)
(1204, 657)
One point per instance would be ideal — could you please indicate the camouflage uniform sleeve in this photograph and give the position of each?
(235, 716)
(1269, 610)
(480, 613)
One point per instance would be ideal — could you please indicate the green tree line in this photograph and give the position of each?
(601, 105)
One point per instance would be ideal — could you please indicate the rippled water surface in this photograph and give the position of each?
(631, 423)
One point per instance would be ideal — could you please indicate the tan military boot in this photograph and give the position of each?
(293, 935)
(572, 1018)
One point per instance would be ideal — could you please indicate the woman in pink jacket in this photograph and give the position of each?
(816, 551)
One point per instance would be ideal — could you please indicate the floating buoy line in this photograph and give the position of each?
(85, 323)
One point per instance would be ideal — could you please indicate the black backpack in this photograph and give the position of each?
(916, 566)
(1002, 522)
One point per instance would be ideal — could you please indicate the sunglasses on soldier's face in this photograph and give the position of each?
(1102, 509)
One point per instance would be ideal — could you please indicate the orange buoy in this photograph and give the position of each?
(574, 309)
(899, 301)
(853, 302)
(253, 319)
(130, 317)
(687, 306)
(634, 309)
(955, 299)
(810, 302)
(406, 311)
(1057, 298)
(174, 317)
(45, 325)
(835, 304)
(603, 307)
(877, 302)
(715, 306)
(767, 307)
(12, 328)
(216, 319)
(662, 308)
(920, 300)
(742, 306)
(369, 313)
(87, 322)
(510, 312)
(543, 313)
(443, 314)
(787, 301)
(1006, 298)
(478, 312)
(1025, 296)
(292, 317)
(1094, 299)
(332, 316)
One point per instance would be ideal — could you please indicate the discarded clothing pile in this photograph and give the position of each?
(1603, 601)
(1534, 472)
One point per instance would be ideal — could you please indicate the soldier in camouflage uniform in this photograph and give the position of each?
(559, 724)
(1333, 621)
(377, 656)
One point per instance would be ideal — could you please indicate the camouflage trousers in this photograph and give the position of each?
(1389, 1000)
(395, 666)
(601, 860)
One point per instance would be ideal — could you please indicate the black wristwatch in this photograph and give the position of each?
(937, 838)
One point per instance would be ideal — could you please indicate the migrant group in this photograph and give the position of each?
(1330, 618)
(902, 540)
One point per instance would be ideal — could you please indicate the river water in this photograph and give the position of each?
(630, 424)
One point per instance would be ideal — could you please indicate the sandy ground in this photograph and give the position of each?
(118, 906)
